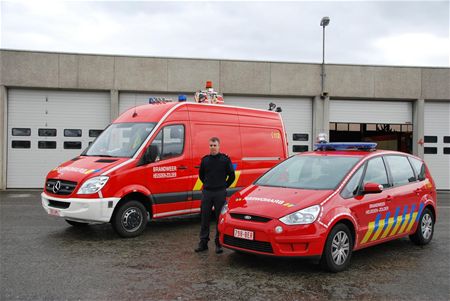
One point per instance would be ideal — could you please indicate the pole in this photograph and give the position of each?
(323, 60)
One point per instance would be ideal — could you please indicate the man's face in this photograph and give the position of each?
(213, 147)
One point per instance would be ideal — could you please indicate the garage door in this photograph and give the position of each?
(46, 128)
(437, 142)
(356, 111)
(296, 114)
(128, 100)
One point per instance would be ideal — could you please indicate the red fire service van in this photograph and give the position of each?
(145, 164)
(327, 203)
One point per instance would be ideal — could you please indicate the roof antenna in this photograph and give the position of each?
(134, 113)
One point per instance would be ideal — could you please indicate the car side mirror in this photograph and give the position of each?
(372, 188)
(150, 155)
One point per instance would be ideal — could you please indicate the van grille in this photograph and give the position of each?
(252, 218)
(65, 188)
(58, 204)
(260, 246)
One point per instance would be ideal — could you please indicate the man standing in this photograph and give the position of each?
(217, 174)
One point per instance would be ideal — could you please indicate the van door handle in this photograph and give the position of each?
(182, 167)
(197, 166)
(389, 198)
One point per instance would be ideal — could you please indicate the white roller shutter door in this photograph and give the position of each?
(437, 142)
(358, 111)
(129, 100)
(296, 114)
(53, 112)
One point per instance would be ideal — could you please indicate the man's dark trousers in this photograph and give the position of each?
(210, 199)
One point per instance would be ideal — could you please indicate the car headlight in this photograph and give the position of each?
(224, 209)
(93, 185)
(302, 217)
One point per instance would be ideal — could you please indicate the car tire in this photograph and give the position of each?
(338, 249)
(130, 219)
(76, 224)
(425, 229)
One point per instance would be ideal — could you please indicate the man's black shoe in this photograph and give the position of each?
(201, 248)
(219, 249)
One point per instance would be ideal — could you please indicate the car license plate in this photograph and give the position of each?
(54, 212)
(243, 234)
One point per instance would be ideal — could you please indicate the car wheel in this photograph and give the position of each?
(76, 224)
(338, 249)
(130, 219)
(425, 229)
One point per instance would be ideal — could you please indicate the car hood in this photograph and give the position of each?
(80, 168)
(274, 202)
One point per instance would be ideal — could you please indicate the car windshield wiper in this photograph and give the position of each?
(104, 156)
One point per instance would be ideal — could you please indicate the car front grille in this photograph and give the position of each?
(252, 218)
(254, 245)
(65, 187)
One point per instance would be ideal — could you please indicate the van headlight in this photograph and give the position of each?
(302, 217)
(224, 209)
(93, 185)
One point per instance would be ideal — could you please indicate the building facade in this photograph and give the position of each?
(53, 105)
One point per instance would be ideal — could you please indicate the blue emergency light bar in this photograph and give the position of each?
(365, 146)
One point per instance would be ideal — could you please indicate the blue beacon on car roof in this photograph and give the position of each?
(366, 146)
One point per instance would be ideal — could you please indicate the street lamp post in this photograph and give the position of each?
(324, 22)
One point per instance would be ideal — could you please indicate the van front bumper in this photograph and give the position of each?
(77, 209)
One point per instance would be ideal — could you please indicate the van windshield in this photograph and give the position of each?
(309, 172)
(120, 140)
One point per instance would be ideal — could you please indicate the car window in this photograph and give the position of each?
(351, 189)
(169, 141)
(376, 172)
(309, 172)
(419, 167)
(401, 170)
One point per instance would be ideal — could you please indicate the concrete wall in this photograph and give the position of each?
(122, 73)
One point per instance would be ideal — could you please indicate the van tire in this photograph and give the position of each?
(76, 224)
(340, 244)
(425, 229)
(130, 219)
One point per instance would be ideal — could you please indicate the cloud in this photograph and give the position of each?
(360, 32)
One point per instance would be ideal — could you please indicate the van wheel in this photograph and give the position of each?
(425, 229)
(338, 249)
(130, 219)
(76, 224)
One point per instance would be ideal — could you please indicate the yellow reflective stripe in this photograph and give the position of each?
(198, 184)
(412, 222)
(386, 232)
(368, 233)
(404, 224)
(237, 173)
(399, 221)
(379, 230)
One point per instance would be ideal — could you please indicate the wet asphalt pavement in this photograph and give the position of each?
(43, 258)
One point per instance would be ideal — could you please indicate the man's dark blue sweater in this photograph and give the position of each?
(214, 171)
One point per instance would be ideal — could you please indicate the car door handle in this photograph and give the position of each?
(418, 190)
(182, 167)
(389, 198)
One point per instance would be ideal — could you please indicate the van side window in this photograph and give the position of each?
(351, 189)
(376, 172)
(170, 141)
(401, 170)
(419, 167)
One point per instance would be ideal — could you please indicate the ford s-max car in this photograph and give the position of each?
(330, 202)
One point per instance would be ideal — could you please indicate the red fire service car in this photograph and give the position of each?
(327, 203)
(145, 164)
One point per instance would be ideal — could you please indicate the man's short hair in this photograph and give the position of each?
(214, 139)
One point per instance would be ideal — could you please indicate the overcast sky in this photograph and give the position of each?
(413, 33)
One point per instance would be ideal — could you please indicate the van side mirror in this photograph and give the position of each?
(150, 155)
(372, 188)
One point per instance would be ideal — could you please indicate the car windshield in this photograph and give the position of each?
(309, 172)
(120, 140)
